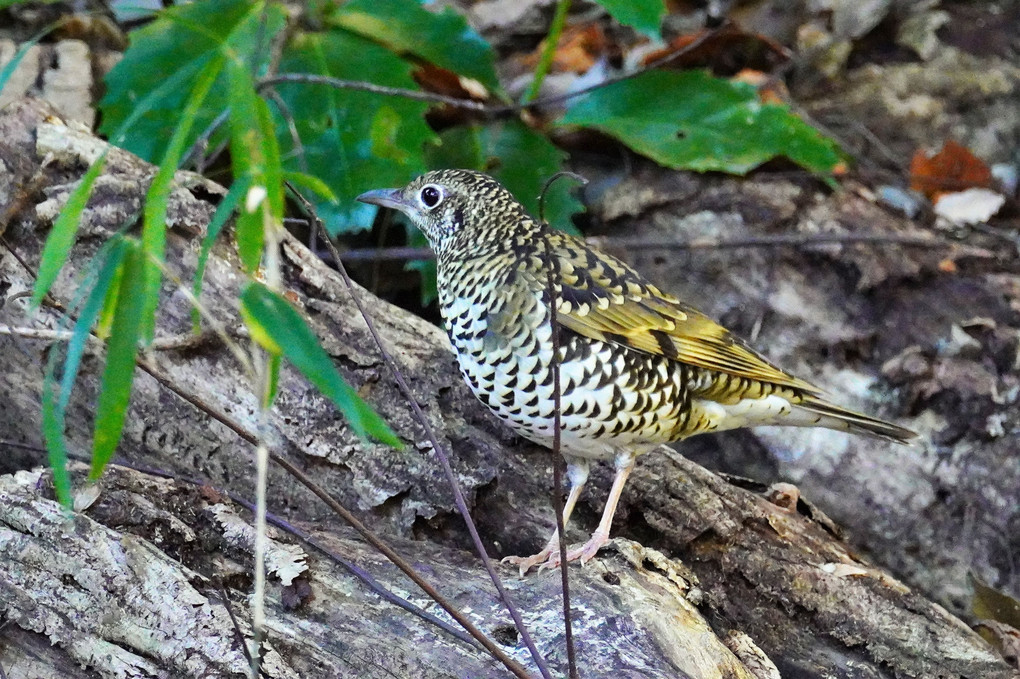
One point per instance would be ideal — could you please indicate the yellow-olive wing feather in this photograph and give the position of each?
(602, 298)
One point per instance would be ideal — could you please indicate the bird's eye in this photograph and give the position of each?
(430, 196)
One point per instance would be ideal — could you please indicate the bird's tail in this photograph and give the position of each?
(834, 417)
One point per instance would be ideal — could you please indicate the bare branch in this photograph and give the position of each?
(640, 243)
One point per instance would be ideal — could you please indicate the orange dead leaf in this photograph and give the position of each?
(576, 52)
(947, 265)
(952, 169)
(442, 81)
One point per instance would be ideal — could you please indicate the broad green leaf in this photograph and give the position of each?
(440, 37)
(118, 374)
(165, 58)
(238, 190)
(256, 157)
(643, 15)
(353, 141)
(61, 238)
(520, 158)
(54, 406)
(158, 196)
(280, 329)
(693, 121)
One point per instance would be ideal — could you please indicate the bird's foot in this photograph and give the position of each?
(550, 556)
(526, 563)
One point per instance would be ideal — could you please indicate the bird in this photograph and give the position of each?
(638, 367)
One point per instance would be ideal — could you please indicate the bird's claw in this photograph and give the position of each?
(549, 558)
(526, 563)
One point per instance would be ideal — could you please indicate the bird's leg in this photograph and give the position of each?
(624, 464)
(577, 473)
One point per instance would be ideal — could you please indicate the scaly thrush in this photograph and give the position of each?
(638, 367)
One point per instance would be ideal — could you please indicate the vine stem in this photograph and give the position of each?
(559, 21)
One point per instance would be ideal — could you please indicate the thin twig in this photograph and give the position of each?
(362, 86)
(237, 628)
(197, 149)
(472, 105)
(343, 513)
(358, 572)
(295, 136)
(361, 574)
(642, 243)
(554, 366)
(444, 460)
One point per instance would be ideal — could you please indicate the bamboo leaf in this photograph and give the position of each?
(255, 156)
(54, 405)
(61, 238)
(158, 196)
(224, 210)
(280, 329)
(118, 374)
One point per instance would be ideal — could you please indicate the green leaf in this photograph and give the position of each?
(311, 183)
(690, 120)
(12, 65)
(108, 261)
(158, 196)
(520, 158)
(642, 15)
(343, 130)
(167, 56)
(121, 350)
(224, 210)
(61, 238)
(54, 406)
(278, 327)
(440, 37)
(255, 156)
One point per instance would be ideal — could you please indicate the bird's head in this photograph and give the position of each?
(455, 208)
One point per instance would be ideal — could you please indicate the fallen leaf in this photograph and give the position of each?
(578, 49)
(954, 168)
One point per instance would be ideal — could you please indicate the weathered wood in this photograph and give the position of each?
(129, 586)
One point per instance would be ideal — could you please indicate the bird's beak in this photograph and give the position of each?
(385, 198)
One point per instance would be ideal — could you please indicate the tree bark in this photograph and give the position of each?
(708, 577)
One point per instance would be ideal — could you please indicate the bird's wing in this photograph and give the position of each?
(604, 299)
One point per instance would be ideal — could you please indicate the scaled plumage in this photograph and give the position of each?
(638, 367)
